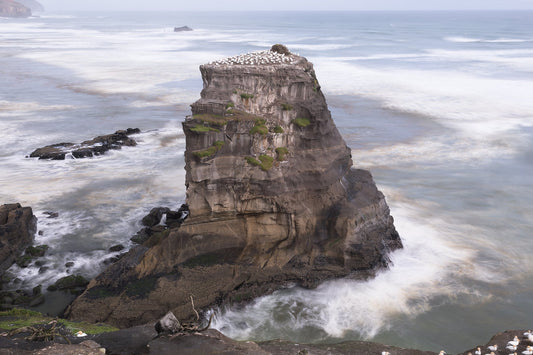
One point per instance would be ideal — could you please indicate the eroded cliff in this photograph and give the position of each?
(273, 199)
(10, 8)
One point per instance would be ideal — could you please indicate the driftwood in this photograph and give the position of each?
(169, 325)
(41, 332)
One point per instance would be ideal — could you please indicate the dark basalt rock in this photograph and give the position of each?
(154, 217)
(96, 146)
(116, 248)
(173, 220)
(17, 230)
(73, 283)
(30, 254)
(182, 29)
(258, 221)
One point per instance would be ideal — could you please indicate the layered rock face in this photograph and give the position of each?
(273, 199)
(35, 6)
(17, 229)
(10, 8)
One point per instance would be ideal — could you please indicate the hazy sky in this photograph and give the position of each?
(285, 5)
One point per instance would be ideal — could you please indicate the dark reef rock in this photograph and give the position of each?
(17, 230)
(95, 146)
(74, 284)
(11, 8)
(501, 339)
(182, 29)
(272, 195)
(153, 219)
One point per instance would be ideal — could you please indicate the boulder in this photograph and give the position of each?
(73, 283)
(96, 146)
(273, 199)
(169, 324)
(17, 230)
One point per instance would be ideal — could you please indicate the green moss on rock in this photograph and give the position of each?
(210, 151)
(203, 129)
(301, 122)
(282, 152)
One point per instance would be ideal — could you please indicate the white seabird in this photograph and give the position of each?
(511, 347)
(528, 351)
(478, 351)
(493, 347)
(515, 341)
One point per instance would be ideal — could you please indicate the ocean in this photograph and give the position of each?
(437, 105)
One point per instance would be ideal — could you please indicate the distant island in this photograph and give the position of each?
(19, 8)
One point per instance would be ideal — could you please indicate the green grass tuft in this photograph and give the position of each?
(18, 318)
(245, 96)
(253, 161)
(265, 162)
(286, 107)
(282, 152)
(210, 151)
(259, 127)
(278, 129)
(202, 129)
(301, 122)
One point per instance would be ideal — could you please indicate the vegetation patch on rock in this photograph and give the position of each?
(301, 122)
(286, 107)
(259, 127)
(203, 129)
(265, 162)
(282, 152)
(18, 318)
(210, 151)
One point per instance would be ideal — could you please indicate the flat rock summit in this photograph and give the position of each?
(273, 196)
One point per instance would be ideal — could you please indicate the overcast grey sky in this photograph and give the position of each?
(285, 5)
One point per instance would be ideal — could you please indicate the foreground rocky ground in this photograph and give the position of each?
(145, 340)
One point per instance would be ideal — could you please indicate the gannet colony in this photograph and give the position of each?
(257, 58)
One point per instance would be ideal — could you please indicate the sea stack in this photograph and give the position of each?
(11, 8)
(273, 200)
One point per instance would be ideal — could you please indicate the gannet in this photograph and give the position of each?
(493, 347)
(528, 351)
(385, 353)
(81, 334)
(478, 351)
(511, 347)
(515, 341)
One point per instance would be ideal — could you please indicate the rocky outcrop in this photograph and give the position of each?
(33, 5)
(17, 229)
(10, 8)
(273, 199)
(96, 146)
(182, 29)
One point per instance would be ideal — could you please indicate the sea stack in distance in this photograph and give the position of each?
(273, 199)
(11, 8)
